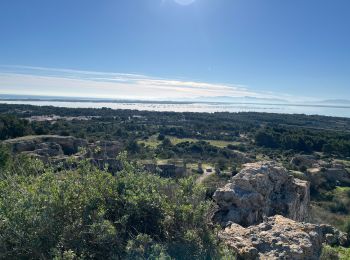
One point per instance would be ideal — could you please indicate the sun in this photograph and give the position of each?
(184, 2)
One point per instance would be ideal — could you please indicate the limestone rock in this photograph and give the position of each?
(261, 190)
(104, 149)
(57, 150)
(328, 177)
(280, 238)
(46, 144)
(304, 160)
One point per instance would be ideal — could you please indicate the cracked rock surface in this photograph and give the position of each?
(262, 190)
(263, 209)
(280, 238)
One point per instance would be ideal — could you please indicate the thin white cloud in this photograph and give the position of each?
(59, 70)
(80, 83)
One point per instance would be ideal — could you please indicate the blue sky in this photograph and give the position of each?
(170, 49)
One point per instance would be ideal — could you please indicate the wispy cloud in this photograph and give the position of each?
(80, 83)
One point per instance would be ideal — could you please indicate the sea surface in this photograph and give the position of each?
(308, 109)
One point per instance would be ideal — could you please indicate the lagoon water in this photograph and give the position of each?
(339, 111)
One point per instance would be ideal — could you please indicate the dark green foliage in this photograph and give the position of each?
(338, 207)
(304, 140)
(11, 126)
(86, 213)
(303, 169)
(347, 227)
(133, 147)
(89, 213)
(161, 137)
(266, 138)
(166, 143)
(296, 133)
(4, 157)
(329, 253)
(334, 253)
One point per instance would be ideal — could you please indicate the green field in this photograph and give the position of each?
(153, 141)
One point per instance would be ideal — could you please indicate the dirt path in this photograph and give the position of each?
(204, 176)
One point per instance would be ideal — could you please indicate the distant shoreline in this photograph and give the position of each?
(166, 102)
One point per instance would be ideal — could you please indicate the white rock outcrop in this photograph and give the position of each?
(263, 209)
(261, 190)
(281, 238)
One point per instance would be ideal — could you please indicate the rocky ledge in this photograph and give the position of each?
(262, 211)
(46, 145)
(261, 190)
(281, 238)
(57, 149)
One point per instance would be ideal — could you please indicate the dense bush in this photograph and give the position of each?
(330, 253)
(302, 140)
(87, 213)
(11, 126)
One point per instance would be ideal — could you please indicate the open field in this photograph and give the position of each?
(153, 141)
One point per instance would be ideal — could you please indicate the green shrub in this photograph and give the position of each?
(329, 253)
(87, 213)
(334, 253)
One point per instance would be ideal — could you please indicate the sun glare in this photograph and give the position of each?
(184, 2)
